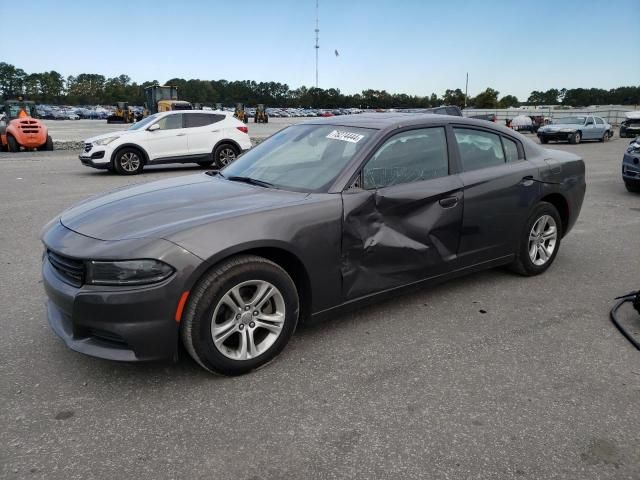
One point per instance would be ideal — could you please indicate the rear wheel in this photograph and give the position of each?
(539, 240)
(12, 144)
(224, 154)
(128, 161)
(605, 136)
(240, 315)
(48, 146)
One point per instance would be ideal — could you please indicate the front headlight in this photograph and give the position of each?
(127, 272)
(634, 148)
(105, 141)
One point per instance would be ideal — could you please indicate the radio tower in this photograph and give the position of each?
(317, 46)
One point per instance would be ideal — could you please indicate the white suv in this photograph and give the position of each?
(194, 136)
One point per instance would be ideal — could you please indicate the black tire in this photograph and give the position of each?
(266, 119)
(12, 144)
(49, 145)
(544, 140)
(255, 119)
(206, 164)
(605, 137)
(633, 187)
(523, 263)
(207, 295)
(575, 138)
(128, 161)
(222, 155)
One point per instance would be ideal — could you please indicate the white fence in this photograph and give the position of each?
(613, 116)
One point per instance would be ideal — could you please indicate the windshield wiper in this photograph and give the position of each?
(251, 181)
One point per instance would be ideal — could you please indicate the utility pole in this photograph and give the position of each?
(317, 46)
(466, 88)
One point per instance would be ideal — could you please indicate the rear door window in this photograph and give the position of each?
(193, 120)
(599, 121)
(510, 150)
(478, 149)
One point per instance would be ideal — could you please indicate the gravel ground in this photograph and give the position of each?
(539, 386)
(70, 134)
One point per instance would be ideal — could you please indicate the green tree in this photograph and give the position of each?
(486, 99)
(508, 101)
(454, 97)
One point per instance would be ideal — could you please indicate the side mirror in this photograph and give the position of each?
(153, 127)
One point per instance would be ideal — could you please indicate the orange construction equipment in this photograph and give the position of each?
(19, 129)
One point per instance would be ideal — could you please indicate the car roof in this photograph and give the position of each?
(391, 120)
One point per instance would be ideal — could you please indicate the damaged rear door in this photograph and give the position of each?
(403, 215)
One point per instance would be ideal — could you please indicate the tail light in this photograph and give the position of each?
(243, 129)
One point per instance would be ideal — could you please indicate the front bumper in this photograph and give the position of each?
(629, 131)
(115, 323)
(556, 136)
(631, 168)
(97, 157)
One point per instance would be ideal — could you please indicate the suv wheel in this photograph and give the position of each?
(240, 315)
(128, 161)
(633, 187)
(224, 154)
(539, 240)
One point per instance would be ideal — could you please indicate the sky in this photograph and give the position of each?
(402, 46)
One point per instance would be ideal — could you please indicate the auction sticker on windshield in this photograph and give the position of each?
(345, 136)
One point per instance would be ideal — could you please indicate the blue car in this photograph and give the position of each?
(631, 166)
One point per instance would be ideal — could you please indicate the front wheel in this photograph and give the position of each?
(240, 315)
(539, 240)
(633, 187)
(575, 138)
(12, 144)
(544, 140)
(128, 161)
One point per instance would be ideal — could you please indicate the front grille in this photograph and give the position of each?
(87, 147)
(70, 269)
(29, 126)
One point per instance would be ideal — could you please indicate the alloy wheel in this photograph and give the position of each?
(248, 320)
(130, 162)
(226, 156)
(542, 240)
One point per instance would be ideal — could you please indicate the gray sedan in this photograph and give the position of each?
(322, 216)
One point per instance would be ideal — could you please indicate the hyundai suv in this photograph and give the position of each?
(202, 137)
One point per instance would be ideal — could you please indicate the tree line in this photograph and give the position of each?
(94, 89)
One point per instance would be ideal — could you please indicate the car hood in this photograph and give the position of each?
(158, 209)
(118, 133)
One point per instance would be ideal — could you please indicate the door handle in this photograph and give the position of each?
(527, 181)
(448, 202)
(215, 131)
(180, 134)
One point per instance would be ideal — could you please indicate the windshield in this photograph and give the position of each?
(301, 157)
(15, 108)
(570, 120)
(144, 122)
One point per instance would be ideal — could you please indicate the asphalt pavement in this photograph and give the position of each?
(489, 376)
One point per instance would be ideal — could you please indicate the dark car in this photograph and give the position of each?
(631, 166)
(323, 215)
(630, 126)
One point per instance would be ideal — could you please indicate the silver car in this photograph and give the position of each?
(575, 129)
